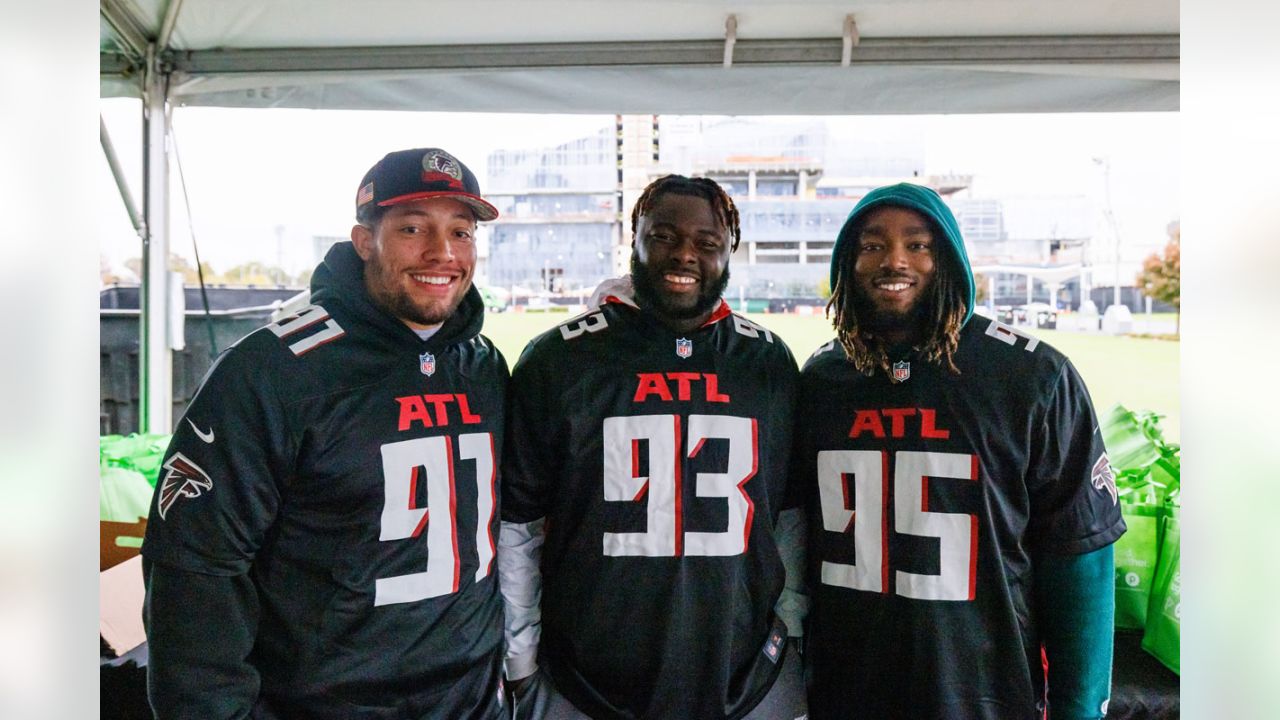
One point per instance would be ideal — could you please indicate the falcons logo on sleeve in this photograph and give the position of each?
(1104, 478)
(184, 479)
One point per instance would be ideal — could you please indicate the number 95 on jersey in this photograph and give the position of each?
(856, 502)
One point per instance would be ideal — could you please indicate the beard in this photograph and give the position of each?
(649, 296)
(878, 321)
(382, 285)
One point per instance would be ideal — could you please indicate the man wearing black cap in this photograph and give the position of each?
(648, 452)
(321, 542)
(962, 508)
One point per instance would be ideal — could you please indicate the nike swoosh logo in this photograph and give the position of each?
(205, 436)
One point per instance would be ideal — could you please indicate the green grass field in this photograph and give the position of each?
(1139, 373)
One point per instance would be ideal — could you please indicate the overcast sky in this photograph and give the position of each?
(251, 171)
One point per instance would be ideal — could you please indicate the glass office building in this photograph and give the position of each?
(558, 215)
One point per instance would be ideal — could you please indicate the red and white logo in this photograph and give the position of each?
(427, 364)
(901, 371)
(684, 348)
(1104, 478)
(185, 479)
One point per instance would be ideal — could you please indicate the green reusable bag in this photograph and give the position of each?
(124, 495)
(1163, 635)
(1128, 438)
(143, 452)
(1136, 553)
(113, 449)
(147, 461)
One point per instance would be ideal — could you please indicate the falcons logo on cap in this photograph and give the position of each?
(185, 479)
(439, 166)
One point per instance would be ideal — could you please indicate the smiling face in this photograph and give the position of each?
(680, 260)
(893, 271)
(419, 259)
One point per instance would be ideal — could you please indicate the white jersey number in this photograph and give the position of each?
(661, 488)
(402, 517)
(750, 329)
(586, 323)
(867, 519)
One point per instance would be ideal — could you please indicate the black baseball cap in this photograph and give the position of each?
(417, 174)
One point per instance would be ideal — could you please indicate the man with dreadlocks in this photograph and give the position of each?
(647, 457)
(962, 506)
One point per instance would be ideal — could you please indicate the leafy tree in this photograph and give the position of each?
(1161, 274)
(824, 288)
(254, 272)
(178, 263)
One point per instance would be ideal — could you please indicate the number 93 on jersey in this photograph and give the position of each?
(645, 462)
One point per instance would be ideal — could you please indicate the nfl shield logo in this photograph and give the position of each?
(684, 348)
(427, 364)
(901, 371)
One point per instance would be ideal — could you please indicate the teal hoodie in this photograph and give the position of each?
(922, 200)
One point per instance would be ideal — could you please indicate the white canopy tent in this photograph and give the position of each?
(732, 57)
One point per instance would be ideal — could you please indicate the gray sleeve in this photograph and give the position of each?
(793, 604)
(520, 577)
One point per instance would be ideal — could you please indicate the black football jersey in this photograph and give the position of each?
(927, 499)
(658, 460)
(350, 468)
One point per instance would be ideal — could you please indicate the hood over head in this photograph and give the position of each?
(926, 202)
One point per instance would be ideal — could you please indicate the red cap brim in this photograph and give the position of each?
(481, 207)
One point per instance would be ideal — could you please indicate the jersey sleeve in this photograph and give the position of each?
(217, 494)
(528, 459)
(781, 380)
(200, 631)
(803, 475)
(1074, 506)
(790, 532)
(219, 486)
(802, 469)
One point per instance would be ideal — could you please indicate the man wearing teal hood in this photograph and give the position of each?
(961, 504)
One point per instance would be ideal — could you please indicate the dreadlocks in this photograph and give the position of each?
(943, 314)
(721, 204)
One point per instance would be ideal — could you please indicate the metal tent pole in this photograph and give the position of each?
(108, 149)
(156, 358)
